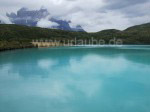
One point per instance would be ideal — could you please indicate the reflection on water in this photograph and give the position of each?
(75, 80)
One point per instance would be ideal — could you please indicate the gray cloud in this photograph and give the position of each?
(118, 4)
(92, 15)
(45, 23)
(4, 19)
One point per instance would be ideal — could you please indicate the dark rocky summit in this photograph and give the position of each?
(32, 17)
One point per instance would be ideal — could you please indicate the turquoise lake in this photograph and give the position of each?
(75, 79)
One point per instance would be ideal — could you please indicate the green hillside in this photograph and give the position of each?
(15, 36)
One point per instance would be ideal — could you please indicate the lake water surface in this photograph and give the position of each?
(76, 79)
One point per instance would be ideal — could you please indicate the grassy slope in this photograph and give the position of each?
(15, 36)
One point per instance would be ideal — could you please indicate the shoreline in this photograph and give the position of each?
(12, 49)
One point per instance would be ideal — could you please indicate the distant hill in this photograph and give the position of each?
(16, 36)
(28, 17)
(140, 28)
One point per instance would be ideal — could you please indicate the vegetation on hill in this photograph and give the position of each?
(15, 36)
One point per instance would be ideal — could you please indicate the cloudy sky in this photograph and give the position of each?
(92, 15)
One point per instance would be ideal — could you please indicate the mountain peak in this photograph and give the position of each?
(28, 17)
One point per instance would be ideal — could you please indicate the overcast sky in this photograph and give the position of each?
(92, 15)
